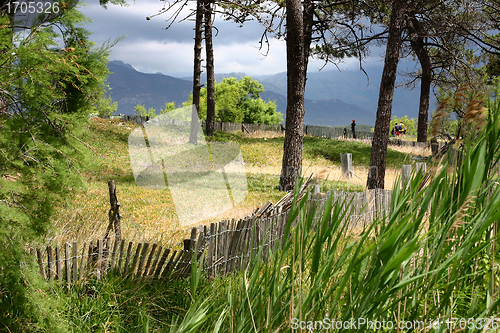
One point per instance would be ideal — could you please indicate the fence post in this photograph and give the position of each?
(114, 212)
(405, 174)
(422, 166)
(434, 146)
(452, 155)
(346, 160)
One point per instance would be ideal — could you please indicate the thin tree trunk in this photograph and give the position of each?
(291, 167)
(418, 46)
(197, 72)
(210, 70)
(308, 19)
(378, 156)
(425, 91)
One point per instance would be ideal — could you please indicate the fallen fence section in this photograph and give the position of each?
(228, 245)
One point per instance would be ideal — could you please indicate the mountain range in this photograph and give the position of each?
(332, 98)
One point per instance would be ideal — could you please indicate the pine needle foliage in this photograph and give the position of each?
(49, 79)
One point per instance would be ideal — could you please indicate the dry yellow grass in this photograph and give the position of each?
(149, 214)
(331, 172)
(412, 150)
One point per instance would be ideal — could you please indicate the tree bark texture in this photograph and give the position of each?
(376, 173)
(308, 19)
(418, 46)
(198, 38)
(209, 48)
(291, 167)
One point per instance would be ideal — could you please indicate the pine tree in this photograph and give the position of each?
(49, 82)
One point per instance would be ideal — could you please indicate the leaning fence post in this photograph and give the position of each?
(346, 161)
(114, 212)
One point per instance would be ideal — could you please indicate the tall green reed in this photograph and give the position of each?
(432, 257)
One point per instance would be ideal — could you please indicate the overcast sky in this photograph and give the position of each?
(149, 48)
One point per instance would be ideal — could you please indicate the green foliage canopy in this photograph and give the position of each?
(239, 101)
(50, 81)
(410, 124)
(236, 101)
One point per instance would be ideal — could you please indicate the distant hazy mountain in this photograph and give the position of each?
(130, 87)
(333, 98)
(350, 86)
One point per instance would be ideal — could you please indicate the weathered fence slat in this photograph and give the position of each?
(100, 251)
(127, 260)
(82, 261)
(150, 258)
(67, 264)
(136, 259)
(58, 263)
(162, 262)
(120, 260)
(50, 263)
(155, 261)
(113, 253)
(40, 264)
(174, 258)
(141, 262)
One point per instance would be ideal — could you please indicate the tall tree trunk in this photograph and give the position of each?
(197, 72)
(209, 48)
(418, 46)
(291, 167)
(378, 156)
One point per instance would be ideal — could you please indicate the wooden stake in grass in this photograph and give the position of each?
(114, 212)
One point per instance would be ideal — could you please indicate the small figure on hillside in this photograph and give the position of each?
(345, 132)
(353, 128)
(393, 133)
(403, 129)
(398, 128)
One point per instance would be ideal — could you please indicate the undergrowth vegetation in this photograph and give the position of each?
(429, 265)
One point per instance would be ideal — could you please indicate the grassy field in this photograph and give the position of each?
(431, 258)
(149, 214)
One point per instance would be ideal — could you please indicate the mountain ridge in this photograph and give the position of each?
(130, 87)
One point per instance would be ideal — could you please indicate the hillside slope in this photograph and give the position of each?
(130, 87)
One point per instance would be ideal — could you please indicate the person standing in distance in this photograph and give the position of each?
(353, 128)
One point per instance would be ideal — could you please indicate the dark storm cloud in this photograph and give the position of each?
(150, 48)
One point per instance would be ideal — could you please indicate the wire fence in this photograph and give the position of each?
(313, 130)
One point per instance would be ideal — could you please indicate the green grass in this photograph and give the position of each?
(258, 151)
(114, 304)
(433, 257)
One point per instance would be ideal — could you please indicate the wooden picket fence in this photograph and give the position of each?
(228, 246)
